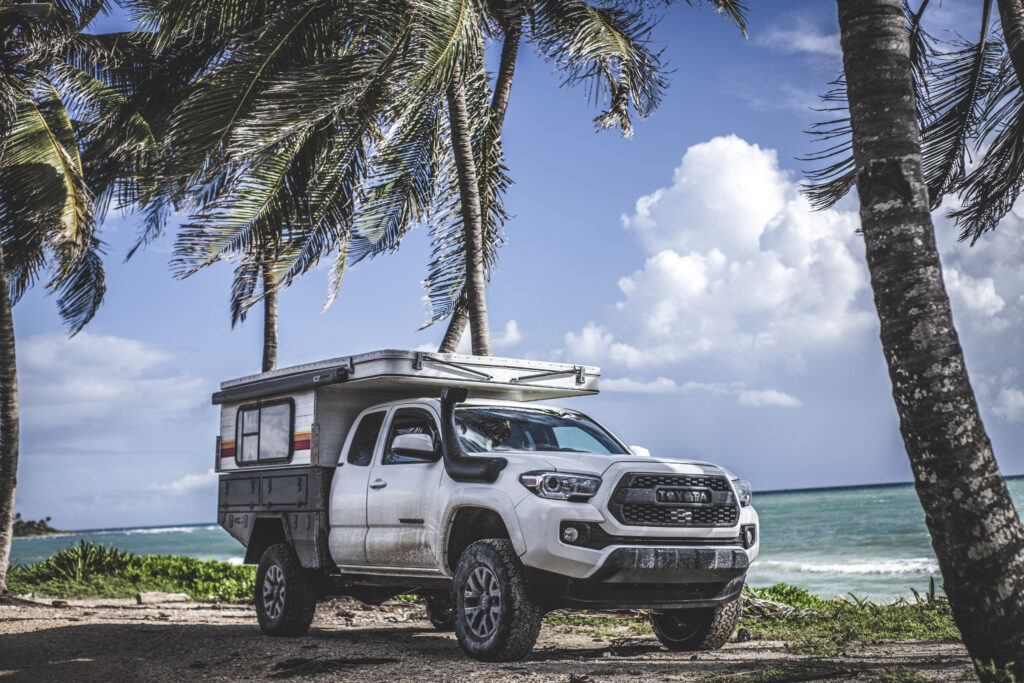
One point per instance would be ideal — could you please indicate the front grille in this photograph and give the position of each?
(633, 502)
(649, 481)
(640, 514)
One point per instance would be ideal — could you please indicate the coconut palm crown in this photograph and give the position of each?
(324, 127)
(970, 106)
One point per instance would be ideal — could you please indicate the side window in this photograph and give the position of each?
(361, 451)
(408, 421)
(265, 432)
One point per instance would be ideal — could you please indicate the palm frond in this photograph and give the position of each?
(734, 10)
(449, 36)
(606, 50)
(962, 80)
(989, 191)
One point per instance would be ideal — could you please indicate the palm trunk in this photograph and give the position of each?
(456, 327)
(1011, 17)
(8, 425)
(975, 530)
(472, 218)
(513, 29)
(269, 319)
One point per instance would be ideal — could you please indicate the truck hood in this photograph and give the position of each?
(590, 463)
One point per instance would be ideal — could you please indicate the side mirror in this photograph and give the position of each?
(419, 446)
(640, 451)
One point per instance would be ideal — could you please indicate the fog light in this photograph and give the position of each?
(570, 534)
(749, 535)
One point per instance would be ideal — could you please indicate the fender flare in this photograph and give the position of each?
(486, 498)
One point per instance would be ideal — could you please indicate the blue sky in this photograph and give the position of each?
(732, 323)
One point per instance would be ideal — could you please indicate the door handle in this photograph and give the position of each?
(378, 484)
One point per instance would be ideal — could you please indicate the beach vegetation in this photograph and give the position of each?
(25, 528)
(90, 570)
(992, 672)
(69, 146)
(810, 624)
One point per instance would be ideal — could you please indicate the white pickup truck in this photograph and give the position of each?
(398, 471)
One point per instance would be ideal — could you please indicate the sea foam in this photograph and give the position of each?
(911, 566)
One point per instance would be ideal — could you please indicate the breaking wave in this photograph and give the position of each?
(912, 566)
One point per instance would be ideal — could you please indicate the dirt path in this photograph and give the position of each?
(114, 640)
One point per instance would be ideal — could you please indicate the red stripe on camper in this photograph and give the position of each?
(302, 441)
(227, 449)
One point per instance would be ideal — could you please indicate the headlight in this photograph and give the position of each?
(575, 487)
(744, 491)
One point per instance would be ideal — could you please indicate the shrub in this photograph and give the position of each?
(92, 570)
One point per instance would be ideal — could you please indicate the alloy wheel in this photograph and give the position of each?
(273, 592)
(482, 603)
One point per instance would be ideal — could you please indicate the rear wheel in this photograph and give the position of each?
(285, 598)
(707, 628)
(497, 619)
(439, 611)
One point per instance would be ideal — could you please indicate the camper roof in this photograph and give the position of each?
(418, 373)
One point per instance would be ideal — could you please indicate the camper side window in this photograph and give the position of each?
(265, 431)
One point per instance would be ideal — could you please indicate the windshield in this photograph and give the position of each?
(491, 429)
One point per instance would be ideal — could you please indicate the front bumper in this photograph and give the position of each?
(657, 555)
(673, 565)
(651, 578)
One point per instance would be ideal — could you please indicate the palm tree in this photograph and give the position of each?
(582, 40)
(316, 128)
(976, 533)
(68, 145)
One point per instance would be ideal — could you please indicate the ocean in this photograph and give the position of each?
(870, 541)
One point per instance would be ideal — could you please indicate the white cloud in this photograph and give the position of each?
(664, 385)
(801, 36)
(88, 379)
(1009, 404)
(975, 296)
(745, 286)
(768, 397)
(739, 265)
(508, 337)
(188, 483)
(661, 385)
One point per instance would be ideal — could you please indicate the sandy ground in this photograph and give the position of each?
(115, 640)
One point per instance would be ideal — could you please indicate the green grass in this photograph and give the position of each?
(815, 627)
(88, 570)
(843, 621)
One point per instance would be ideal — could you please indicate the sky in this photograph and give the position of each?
(732, 323)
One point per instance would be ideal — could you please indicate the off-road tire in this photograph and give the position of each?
(285, 597)
(439, 611)
(516, 624)
(706, 628)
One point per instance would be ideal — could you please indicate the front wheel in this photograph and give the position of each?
(497, 619)
(285, 599)
(706, 628)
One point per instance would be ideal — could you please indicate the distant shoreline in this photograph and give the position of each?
(894, 484)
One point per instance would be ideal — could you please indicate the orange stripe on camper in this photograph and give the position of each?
(227, 449)
(301, 442)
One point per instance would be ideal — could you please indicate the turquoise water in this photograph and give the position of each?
(869, 541)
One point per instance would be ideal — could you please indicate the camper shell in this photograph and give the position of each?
(282, 432)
